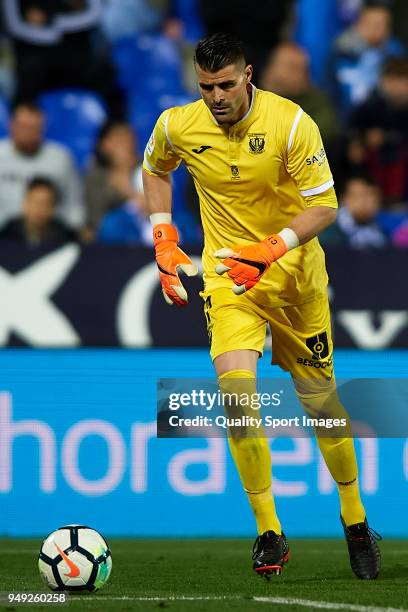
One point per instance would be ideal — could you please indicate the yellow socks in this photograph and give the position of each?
(263, 507)
(252, 456)
(319, 398)
(340, 458)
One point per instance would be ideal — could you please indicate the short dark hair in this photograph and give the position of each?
(216, 51)
(43, 182)
(377, 4)
(109, 126)
(361, 176)
(28, 105)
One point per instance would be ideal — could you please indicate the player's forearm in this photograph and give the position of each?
(157, 190)
(310, 222)
(169, 257)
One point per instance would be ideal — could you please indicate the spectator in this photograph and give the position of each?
(287, 74)
(55, 46)
(260, 25)
(113, 187)
(349, 10)
(356, 224)
(380, 132)
(25, 155)
(126, 224)
(359, 54)
(37, 225)
(125, 18)
(7, 78)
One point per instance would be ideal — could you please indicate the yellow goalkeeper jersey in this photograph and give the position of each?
(252, 178)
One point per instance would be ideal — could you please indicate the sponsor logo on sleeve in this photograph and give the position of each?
(150, 144)
(318, 158)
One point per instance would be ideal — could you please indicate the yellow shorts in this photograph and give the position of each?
(301, 335)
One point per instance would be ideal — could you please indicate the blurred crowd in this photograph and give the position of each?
(83, 81)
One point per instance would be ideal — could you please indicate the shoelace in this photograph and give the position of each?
(377, 536)
(370, 532)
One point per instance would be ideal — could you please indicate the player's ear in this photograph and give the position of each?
(248, 73)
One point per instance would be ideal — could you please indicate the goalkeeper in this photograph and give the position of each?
(265, 191)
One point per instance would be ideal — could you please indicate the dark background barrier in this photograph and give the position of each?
(110, 296)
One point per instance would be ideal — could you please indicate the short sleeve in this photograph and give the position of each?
(160, 156)
(306, 158)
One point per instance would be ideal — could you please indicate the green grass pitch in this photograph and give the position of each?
(198, 575)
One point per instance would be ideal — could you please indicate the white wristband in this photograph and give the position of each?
(289, 237)
(160, 217)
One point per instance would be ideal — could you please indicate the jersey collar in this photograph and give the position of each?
(251, 105)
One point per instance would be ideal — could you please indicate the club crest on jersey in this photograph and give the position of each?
(235, 172)
(256, 143)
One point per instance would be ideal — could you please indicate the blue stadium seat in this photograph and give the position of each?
(4, 118)
(74, 118)
(144, 111)
(145, 108)
(148, 62)
(189, 14)
(124, 57)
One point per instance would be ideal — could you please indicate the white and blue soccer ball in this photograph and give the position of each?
(75, 558)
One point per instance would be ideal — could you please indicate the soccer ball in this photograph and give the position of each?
(75, 558)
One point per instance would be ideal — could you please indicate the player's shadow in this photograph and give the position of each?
(318, 580)
(389, 572)
(394, 570)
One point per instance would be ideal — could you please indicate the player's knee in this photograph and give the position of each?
(319, 397)
(322, 404)
(238, 390)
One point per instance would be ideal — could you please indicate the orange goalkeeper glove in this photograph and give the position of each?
(245, 265)
(170, 258)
